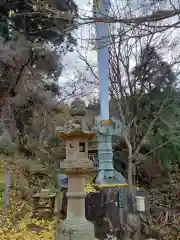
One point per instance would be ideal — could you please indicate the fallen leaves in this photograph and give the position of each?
(25, 228)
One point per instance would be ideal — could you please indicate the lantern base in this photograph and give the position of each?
(109, 177)
(75, 229)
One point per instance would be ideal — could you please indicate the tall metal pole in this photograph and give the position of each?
(102, 41)
(106, 127)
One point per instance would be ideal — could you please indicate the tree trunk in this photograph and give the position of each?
(21, 129)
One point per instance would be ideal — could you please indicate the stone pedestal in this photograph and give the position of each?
(75, 226)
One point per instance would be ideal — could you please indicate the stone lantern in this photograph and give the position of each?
(76, 166)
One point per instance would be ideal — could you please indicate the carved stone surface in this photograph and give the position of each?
(76, 122)
(6, 143)
(75, 230)
(78, 108)
(77, 170)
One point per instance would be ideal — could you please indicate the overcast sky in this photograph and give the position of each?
(71, 61)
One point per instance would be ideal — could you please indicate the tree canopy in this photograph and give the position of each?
(152, 72)
(159, 99)
(35, 37)
(37, 21)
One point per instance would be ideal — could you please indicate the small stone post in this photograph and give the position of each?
(76, 166)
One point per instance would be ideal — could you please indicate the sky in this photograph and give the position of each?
(71, 60)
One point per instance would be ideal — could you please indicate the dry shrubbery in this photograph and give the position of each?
(19, 222)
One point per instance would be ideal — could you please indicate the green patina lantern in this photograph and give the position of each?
(6, 144)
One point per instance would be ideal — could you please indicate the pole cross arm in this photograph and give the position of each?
(110, 127)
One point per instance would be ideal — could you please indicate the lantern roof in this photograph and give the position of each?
(76, 126)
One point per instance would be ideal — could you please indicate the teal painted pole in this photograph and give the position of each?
(102, 41)
(107, 173)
